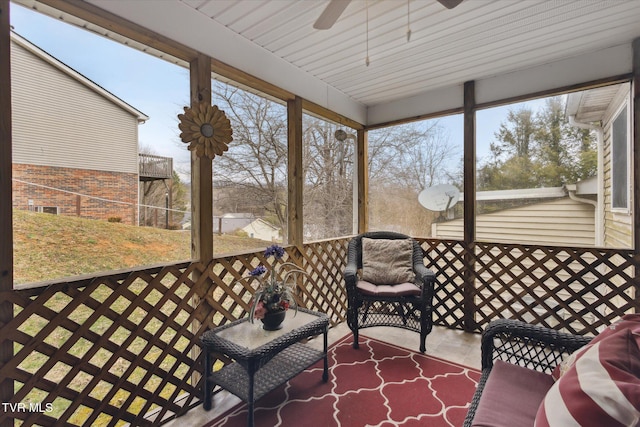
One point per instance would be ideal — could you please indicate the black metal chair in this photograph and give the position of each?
(406, 304)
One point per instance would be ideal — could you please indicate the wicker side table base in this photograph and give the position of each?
(257, 371)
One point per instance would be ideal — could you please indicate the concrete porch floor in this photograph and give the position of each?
(453, 345)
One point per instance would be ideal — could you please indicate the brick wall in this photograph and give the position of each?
(79, 192)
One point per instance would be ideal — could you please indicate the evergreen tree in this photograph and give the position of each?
(541, 150)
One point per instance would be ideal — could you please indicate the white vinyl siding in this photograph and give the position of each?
(58, 121)
(559, 222)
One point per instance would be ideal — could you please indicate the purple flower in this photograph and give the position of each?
(258, 271)
(275, 250)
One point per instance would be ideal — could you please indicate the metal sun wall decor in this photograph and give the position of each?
(207, 128)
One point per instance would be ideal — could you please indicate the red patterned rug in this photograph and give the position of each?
(377, 385)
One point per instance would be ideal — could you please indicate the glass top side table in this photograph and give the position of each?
(262, 359)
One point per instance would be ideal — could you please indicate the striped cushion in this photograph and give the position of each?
(628, 321)
(602, 388)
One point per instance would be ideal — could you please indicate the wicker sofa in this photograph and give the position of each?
(537, 351)
(535, 376)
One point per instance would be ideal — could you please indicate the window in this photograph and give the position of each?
(414, 159)
(250, 180)
(328, 167)
(620, 161)
(93, 95)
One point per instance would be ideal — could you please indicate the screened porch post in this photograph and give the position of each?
(363, 180)
(295, 224)
(469, 234)
(6, 219)
(635, 141)
(201, 174)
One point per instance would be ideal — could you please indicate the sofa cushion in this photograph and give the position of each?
(628, 321)
(511, 396)
(387, 261)
(602, 388)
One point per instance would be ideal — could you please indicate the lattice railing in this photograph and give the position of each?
(123, 348)
(446, 259)
(576, 289)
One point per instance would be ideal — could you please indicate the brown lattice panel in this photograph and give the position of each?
(446, 259)
(575, 289)
(124, 348)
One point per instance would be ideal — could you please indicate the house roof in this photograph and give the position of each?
(581, 188)
(264, 223)
(510, 48)
(589, 106)
(35, 50)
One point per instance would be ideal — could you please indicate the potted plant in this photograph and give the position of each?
(274, 296)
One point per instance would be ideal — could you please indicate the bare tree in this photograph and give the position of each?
(252, 176)
(256, 163)
(403, 161)
(328, 178)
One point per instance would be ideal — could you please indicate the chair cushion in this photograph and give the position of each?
(402, 289)
(387, 261)
(601, 388)
(511, 396)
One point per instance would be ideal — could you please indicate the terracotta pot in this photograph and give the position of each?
(272, 321)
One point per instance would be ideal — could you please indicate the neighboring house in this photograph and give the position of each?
(256, 228)
(261, 229)
(75, 145)
(607, 111)
(545, 216)
(596, 212)
(231, 222)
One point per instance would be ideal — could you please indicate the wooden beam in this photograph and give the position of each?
(412, 119)
(119, 25)
(201, 171)
(362, 164)
(469, 233)
(562, 90)
(327, 114)
(6, 216)
(295, 224)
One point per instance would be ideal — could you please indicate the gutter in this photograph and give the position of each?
(599, 204)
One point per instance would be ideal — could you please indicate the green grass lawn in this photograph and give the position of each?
(54, 246)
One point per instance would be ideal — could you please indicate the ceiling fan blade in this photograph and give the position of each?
(331, 14)
(449, 4)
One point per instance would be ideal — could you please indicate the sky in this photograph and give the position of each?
(160, 89)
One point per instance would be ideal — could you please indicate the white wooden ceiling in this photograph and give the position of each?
(479, 39)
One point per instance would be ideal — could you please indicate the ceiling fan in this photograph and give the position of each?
(335, 8)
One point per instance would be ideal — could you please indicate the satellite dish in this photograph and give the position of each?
(439, 198)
